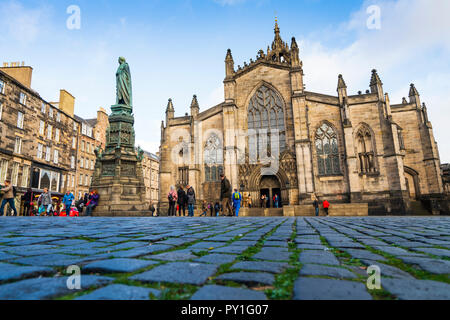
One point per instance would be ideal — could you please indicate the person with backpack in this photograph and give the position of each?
(237, 198)
(172, 197)
(8, 197)
(217, 209)
(68, 201)
(190, 200)
(181, 201)
(316, 206)
(45, 202)
(326, 206)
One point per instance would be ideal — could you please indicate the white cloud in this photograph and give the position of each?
(228, 2)
(150, 146)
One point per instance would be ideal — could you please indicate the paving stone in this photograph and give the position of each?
(248, 278)
(272, 267)
(206, 245)
(118, 265)
(179, 255)
(273, 254)
(319, 270)
(364, 254)
(276, 244)
(214, 292)
(7, 256)
(175, 241)
(246, 243)
(230, 249)
(11, 272)
(408, 289)
(308, 241)
(318, 257)
(47, 288)
(428, 264)
(60, 260)
(311, 247)
(178, 272)
(434, 251)
(120, 292)
(216, 258)
(387, 270)
(394, 251)
(329, 289)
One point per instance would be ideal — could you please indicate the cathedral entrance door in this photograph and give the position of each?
(269, 186)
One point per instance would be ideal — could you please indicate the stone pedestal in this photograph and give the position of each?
(118, 173)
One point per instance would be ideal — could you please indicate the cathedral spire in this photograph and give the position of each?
(341, 83)
(277, 42)
(229, 64)
(414, 96)
(295, 59)
(194, 106)
(376, 86)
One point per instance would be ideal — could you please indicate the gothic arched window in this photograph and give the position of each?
(327, 150)
(213, 158)
(266, 114)
(366, 149)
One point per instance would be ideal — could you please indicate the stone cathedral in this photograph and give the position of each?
(348, 149)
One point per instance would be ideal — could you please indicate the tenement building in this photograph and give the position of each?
(272, 136)
(150, 167)
(40, 140)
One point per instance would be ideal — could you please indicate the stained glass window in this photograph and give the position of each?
(327, 151)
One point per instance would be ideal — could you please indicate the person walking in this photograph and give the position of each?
(217, 209)
(181, 201)
(276, 201)
(190, 200)
(204, 208)
(172, 197)
(316, 206)
(152, 208)
(93, 202)
(8, 197)
(27, 199)
(250, 203)
(225, 195)
(68, 201)
(45, 202)
(263, 201)
(237, 198)
(326, 206)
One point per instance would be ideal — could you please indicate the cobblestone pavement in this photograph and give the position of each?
(225, 258)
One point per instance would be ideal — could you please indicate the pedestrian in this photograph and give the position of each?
(93, 202)
(316, 206)
(45, 203)
(181, 201)
(152, 209)
(263, 201)
(190, 200)
(217, 209)
(204, 209)
(250, 203)
(68, 202)
(225, 195)
(326, 206)
(173, 197)
(276, 201)
(237, 198)
(27, 199)
(8, 197)
(268, 202)
(211, 208)
(80, 204)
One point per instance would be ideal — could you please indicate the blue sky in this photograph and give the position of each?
(176, 49)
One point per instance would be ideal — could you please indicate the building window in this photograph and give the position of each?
(50, 112)
(183, 176)
(86, 180)
(92, 164)
(43, 108)
(213, 158)
(81, 162)
(63, 182)
(23, 98)
(75, 126)
(55, 156)
(72, 162)
(266, 114)
(18, 145)
(57, 135)
(81, 180)
(47, 154)
(41, 128)
(20, 120)
(74, 143)
(49, 132)
(40, 150)
(73, 181)
(327, 150)
(1, 110)
(3, 169)
(25, 175)
(58, 117)
(88, 147)
(15, 174)
(2, 87)
(82, 146)
(83, 128)
(366, 149)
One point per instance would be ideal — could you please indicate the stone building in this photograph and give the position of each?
(39, 140)
(150, 167)
(446, 177)
(272, 136)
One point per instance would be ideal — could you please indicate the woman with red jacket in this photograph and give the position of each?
(326, 206)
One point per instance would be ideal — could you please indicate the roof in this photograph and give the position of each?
(151, 155)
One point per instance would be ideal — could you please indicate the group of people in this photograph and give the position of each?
(45, 203)
(264, 201)
(229, 201)
(316, 205)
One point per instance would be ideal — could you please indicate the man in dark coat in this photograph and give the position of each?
(181, 201)
(225, 195)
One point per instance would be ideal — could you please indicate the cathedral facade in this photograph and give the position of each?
(272, 136)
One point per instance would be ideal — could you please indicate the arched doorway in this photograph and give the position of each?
(412, 183)
(270, 186)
